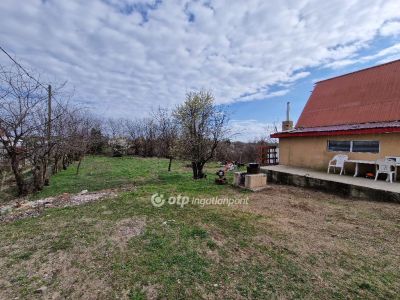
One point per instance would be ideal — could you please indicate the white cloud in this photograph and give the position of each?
(382, 56)
(390, 28)
(389, 58)
(252, 130)
(341, 63)
(394, 49)
(263, 94)
(126, 56)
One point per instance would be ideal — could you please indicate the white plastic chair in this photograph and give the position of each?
(386, 166)
(338, 162)
(396, 159)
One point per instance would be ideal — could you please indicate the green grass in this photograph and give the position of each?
(182, 253)
(99, 173)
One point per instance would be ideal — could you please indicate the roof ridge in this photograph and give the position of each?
(361, 70)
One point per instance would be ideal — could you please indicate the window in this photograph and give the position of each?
(354, 146)
(339, 146)
(366, 146)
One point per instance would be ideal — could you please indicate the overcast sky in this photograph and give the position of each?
(125, 57)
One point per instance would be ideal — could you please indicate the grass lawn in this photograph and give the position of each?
(287, 243)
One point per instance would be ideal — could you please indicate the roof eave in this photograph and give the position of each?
(336, 132)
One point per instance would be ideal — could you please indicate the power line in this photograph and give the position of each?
(22, 68)
(27, 73)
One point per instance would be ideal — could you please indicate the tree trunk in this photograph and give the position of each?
(194, 168)
(64, 162)
(3, 178)
(79, 165)
(22, 190)
(38, 178)
(55, 166)
(45, 172)
(197, 168)
(169, 165)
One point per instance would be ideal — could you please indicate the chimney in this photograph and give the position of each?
(287, 125)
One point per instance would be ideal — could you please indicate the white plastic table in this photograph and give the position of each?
(366, 162)
(358, 162)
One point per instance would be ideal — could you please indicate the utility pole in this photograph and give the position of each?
(49, 116)
(46, 176)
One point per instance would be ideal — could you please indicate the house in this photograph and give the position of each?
(357, 114)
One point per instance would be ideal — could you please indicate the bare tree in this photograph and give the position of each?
(22, 99)
(3, 165)
(149, 137)
(167, 134)
(77, 136)
(115, 127)
(26, 135)
(117, 138)
(134, 131)
(97, 140)
(201, 126)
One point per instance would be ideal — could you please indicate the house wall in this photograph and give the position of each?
(312, 152)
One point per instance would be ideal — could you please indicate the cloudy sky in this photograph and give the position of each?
(125, 57)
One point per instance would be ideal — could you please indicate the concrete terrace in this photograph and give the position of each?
(345, 185)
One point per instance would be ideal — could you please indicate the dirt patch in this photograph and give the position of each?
(319, 215)
(23, 208)
(63, 274)
(67, 270)
(77, 270)
(127, 229)
(325, 227)
(151, 291)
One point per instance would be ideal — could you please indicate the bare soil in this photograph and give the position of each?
(23, 208)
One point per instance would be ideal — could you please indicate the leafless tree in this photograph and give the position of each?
(167, 134)
(97, 139)
(22, 100)
(149, 137)
(115, 127)
(201, 127)
(25, 134)
(134, 132)
(80, 137)
(117, 136)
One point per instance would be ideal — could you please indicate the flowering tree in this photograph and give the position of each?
(201, 125)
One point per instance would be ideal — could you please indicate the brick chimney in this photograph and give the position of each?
(287, 125)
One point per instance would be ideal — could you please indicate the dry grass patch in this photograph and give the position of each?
(127, 229)
(345, 244)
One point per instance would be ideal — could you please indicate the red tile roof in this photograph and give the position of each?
(365, 96)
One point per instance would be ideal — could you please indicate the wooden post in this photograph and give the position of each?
(45, 172)
(49, 117)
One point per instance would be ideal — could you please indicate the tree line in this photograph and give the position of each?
(41, 132)
(196, 131)
(191, 131)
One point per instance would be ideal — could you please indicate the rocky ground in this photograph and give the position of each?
(23, 208)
